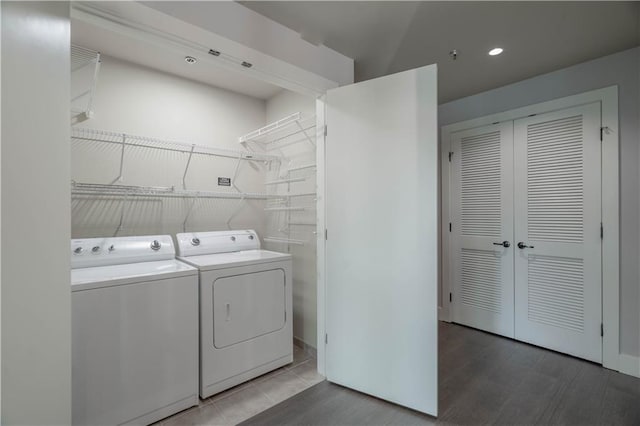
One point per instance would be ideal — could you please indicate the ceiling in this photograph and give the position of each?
(118, 45)
(387, 37)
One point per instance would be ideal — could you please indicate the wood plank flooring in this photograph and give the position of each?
(246, 400)
(484, 379)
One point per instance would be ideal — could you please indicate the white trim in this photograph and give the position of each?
(443, 315)
(610, 203)
(630, 365)
(444, 311)
(611, 222)
(135, 20)
(320, 228)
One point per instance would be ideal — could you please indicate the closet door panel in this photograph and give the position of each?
(381, 241)
(557, 210)
(482, 176)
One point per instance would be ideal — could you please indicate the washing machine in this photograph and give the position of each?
(134, 331)
(245, 307)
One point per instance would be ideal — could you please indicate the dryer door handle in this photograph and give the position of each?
(228, 312)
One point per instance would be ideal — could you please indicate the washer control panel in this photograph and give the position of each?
(194, 244)
(89, 252)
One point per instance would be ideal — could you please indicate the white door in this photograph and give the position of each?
(381, 248)
(558, 224)
(482, 227)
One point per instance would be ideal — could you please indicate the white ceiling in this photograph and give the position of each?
(386, 37)
(117, 45)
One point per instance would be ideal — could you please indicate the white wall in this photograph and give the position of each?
(142, 101)
(36, 326)
(304, 257)
(0, 221)
(620, 69)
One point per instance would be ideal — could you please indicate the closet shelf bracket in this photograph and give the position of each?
(186, 168)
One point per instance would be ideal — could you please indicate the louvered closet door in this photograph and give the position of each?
(557, 207)
(482, 181)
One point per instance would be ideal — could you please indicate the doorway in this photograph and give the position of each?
(526, 225)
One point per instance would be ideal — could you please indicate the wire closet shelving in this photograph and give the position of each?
(288, 131)
(124, 140)
(87, 61)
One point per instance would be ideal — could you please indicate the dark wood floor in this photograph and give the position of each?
(484, 379)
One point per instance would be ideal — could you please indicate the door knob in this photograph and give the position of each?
(503, 244)
(522, 245)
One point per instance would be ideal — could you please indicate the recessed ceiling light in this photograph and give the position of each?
(495, 51)
(190, 59)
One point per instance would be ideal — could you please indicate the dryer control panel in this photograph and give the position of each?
(90, 252)
(199, 243)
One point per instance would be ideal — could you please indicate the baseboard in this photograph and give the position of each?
(443, 315)
(629, 364)
(307, 348)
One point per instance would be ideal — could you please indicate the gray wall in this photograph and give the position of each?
(622, 69)
(36, 302)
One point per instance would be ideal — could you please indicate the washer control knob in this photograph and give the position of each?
(112, 247)
(155, 245)
(233, 238)
(251, 237)
(195, 241)
(95, 249)
(78, 250)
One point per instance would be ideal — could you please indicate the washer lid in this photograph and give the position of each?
(106, 276)
(90, 252)
(198, 243)
(209, 262)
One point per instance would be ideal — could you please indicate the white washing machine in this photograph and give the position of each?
(245, 307)
(134, 331)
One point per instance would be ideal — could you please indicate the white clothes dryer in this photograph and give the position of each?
(245, 307)
(134, 331)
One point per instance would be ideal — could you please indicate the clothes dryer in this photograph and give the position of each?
(245, 307)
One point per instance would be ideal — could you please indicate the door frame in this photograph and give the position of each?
(608, 98)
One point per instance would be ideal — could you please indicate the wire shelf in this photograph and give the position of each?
(283, 129)
(281, 181)
(96, 189)
(284, 209)
(302, 167)
(81, 57)
(85, 66)
(284, 241)
(124, 139)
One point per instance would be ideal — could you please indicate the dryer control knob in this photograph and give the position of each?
(78, 250)
(251, 237)
(95, 249)
(233, 238)
(195, 241)
(155, 245)
(112, 247)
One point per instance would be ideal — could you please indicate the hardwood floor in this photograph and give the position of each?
(484, 379)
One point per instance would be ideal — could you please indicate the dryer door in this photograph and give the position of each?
(247, 306)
